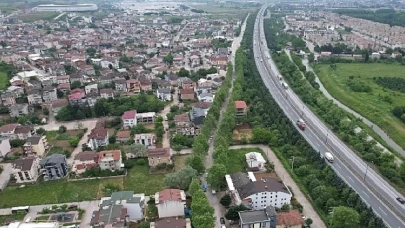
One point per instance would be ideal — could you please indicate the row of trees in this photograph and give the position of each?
(202, 212)
(341, 122)
(386, 16)
(110, 107)
(319, 181)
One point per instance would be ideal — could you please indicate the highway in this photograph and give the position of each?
(347, 164)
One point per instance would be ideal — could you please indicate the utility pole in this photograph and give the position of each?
(292, 164)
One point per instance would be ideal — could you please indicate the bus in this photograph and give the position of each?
(20, 210)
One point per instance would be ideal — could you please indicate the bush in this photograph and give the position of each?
(141, 162)
(62, 129)
(40, 131)
(17, 143)
(73, 142)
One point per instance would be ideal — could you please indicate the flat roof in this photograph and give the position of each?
(253, 216)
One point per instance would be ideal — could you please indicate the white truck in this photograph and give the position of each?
(329, 157)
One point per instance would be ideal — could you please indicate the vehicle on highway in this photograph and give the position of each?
(301, 124)
(402, 201)
(329, 157)
(284, 85)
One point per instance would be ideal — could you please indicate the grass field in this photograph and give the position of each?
(3, 80)
(138, 180)
(16, 217)
(224, 10)
(369, 104)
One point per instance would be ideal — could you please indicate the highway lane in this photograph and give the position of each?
(323, 140)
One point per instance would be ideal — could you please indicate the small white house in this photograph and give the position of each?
(170, 202)
(255, 160)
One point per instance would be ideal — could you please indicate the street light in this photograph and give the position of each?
(332, 212)
(292, 164)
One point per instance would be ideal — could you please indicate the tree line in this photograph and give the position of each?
(321, 184)
(341, 122)
(386, 16)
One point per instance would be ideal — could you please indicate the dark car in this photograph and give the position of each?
(402, 201)
(222, 220)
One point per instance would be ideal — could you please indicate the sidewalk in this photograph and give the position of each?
(308, 211)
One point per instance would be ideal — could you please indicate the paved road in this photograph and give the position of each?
(282, 173)
(165, 111)
(373, 126)
(355, 172)
(219, 210)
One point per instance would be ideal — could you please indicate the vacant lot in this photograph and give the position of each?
(140, 181)
(377, 104)
(179, 161)
(3, 80)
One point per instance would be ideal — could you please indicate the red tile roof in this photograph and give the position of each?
(169, 195)
(98, 133)
(240, 104)
(115, 153)
(186, 91)
(129, 115)
(159, 152)
(291, 218)
(8, 127)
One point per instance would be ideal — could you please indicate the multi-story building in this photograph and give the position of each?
(170, 202)
(133, 86)
(146, 139)
(83, 161)
(98, 137)
(113, 216)
(54, 167)
(185, 126)
(35, 145)
(241, 108)
(18, 110)
(146, 117)
(257, 194)
(49, 94)
(158, 156)
(110, 159)
(129, 119)
(25, 169)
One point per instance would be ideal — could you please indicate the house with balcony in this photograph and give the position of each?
(35, 145)
(187, 94)
(164, 94)
(158, 156)
(120, 85)
(134, 203)
(83, 161)
(170, 202)
(49, 94)
(77, 95)
(290, 219)
(23, 132)
(110, 216)
(257, 194)
(129, 119)
(110, 160)
(241, 108)
(98, 137)
(146, 139)
(54, 167)
(18, 110)
(34, 96)
(184, 125)
(25, 170)
(107, 93)
(146, 117)
(133, 86)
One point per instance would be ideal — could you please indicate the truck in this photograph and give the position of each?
(329, 157)
(301, 124)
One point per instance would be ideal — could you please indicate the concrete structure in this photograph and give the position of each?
(110, 216)
(134, 203)
(257, 194)
(255, 160)
(18, 110)
(164, 94)
(36, 145)
(67, 8)
(146, 117)
(110, 159)
(25, 169)
(54, 167)
(32, 225)
(264, 218)
(170, 202)
(146, 139)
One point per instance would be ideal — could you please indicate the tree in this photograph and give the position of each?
(74, 141)
(344, 217)
(75, 84)
(46, 111)
(196, 162)
(112, 139)
(137, 150)
(16, 143)
(194, 186)
(168, 58)
(226, 200)
(145, 224)
(216, 175)
(181, 179)
(232, 213)
(62, 129)
(308, 221)
(183, 73)
(40, 131)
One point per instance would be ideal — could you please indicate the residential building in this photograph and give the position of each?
(123, 136)
(188, 84)
(170, 202)
(57, 105)
(206, 97)
(90, 88)
(64, 79)
(5, 147)
(264, 218)
(257, 194)
(171, 223)
(255, 161)
(92, 97)
(133, 86)
(134, 203)
(18, 110)
(129, 119)
(54, 167)
(241, 108)
(120, 85)
(23, 132)
(107, 93)
(35, 145)
(112, 216)
(158, 156)
(187, 94)
(49, 94)
(77, 96)
(7, 131)
(25, 169)
(110, 159)
(290, 219)
(164, 94)
(146, 117)
(146, 139)
(146, 85)
(197, 115)
(184, 125)
(83, 161)
(34, 96)
(98, 137)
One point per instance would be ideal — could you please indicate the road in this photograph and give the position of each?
(282, 173)
(355, 172)
(165, 111)
(219, 210)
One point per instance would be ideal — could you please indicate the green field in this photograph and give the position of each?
(372, 105)
(138, 180)
(3, 80)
